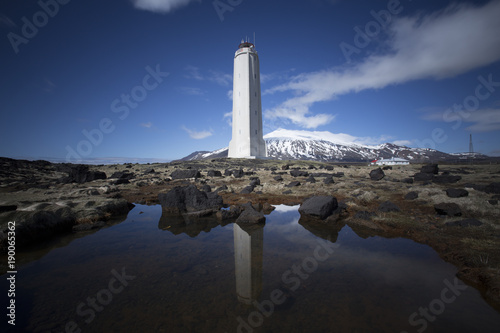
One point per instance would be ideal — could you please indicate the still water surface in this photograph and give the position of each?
(151, 274)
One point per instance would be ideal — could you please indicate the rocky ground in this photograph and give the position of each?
(452, 208)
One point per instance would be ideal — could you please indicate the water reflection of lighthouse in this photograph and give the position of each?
(248, 249)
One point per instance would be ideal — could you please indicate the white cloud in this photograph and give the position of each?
(161, 6)
(220, 78)
(487, 120)
(436, 46)
(197, 135)
(147, 125)
(402, 142)
(230, 94)
(229, 118)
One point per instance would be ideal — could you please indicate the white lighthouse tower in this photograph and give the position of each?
(247, 140)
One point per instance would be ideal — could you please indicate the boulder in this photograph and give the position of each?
(293, 184)
(81, 174)
(250, 216)
(328, 180)
(493, 188)
(423, 177)
(214, 173)
(238, 173)
(247, 189)
(278, 178)
(430, 168)
(387, 167)
(450, 209)
(387, 207)
(183, 174)
(320, 206)
(311, 179)
(407, 180)
(123, 175)
(228, 214)
(456, 192)
(299, 173)
(377, 174)
(183, 199)
(464, 223)
(254, 181)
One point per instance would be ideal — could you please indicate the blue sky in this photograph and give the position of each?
(153, 78)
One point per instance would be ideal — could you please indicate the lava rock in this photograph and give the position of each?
(377, 174)
(250, 216)
(254, 181)
(299, 173)
(293, 184)
(450, 209)
(328, 180)
(186, 173)
(123, 175)
(311, 179)
(493, 188)
(411, 195)
(456, 192)
(407, 180)
(430, 168)
(320, 206)
(247, 189)
(423, 177)
(238, 173)
(387, 207)
(189, 199)
(387, 167)
(278, 178)
(214, 173)
(229, 214)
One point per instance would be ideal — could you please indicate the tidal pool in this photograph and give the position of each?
(152, 273)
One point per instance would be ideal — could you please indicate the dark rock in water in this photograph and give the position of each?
(299, 173)
(387, 207)
(247, 189)
(229, 214)
(446, 179)
(320, 206)
(250, 216)
(7, 208)
(411, 195)
(278, 178)
(464, 223)
(450, 209)
(214, 173)
(456, 192)
(430, 168)
(293, 184)
(328, 180)
(88, 226)
(183, 174)
(387, 167)
(493, 188)
(407, 180)
(189, 199)
(423, 177)
(377, 174)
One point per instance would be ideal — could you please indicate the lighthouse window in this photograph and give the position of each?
(255, 131)
(255, 94)
(255, 76)
(255, 112)
(240, 132)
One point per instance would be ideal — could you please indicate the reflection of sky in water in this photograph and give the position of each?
(186, 283)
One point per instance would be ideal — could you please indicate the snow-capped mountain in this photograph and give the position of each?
(325, 146)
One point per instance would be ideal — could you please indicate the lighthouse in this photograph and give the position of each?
(247, 137)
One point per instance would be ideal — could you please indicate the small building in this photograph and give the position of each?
(390, 161)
